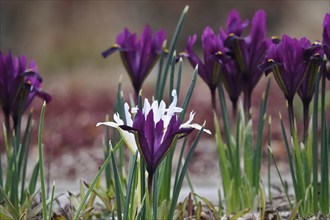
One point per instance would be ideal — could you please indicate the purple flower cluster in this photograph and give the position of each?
(232, 57)
(20, 82)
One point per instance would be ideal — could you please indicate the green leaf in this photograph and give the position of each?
(178, 28)
(41, 163)
(210, 206)
(132, 170)
(294, 213)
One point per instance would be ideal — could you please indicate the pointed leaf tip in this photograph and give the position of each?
(186, 8)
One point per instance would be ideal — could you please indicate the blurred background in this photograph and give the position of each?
(66, 39)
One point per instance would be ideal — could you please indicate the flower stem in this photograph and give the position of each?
(234, 110)
(291, 116)
(247, 102)
(7, 125)
(214, 104)
(306, 122)
(150, 178)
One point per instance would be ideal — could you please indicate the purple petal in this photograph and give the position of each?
(235, 24)
(110, 51)
(326, 35)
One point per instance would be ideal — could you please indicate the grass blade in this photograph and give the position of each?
(41, 165)
(315, 145)
(189, 94)
(160, 90)
(51, 202)
(118, 188)
(132, 169)
(257, 154)
(324, 199)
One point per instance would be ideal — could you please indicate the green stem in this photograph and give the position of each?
(214, 104)
(150, 178)
(247, 103)
(306, 122)
(291, 116)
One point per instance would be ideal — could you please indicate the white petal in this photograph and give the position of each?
(187, 123)
(129, 139)
(146, 107)
(134, 110)
(117, 119)
(199, 127)
(109, 123)
(128, 116)
(127, 136)
(175, 99)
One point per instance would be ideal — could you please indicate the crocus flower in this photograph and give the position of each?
(138, 55)
(19, 83)
(326, 39)
(234, 25)
(213, 49)
(290, 60)
(155, 128)
(247, 51)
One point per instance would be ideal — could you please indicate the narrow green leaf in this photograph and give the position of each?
(290, 161)
(178, 28)
(188, 95)
(223, 160)
(11, 207)
(34, 179)
(118, 188)
(155, 195)
(132, 170)
(315, 145)
(262, 201)
(324, 198)
(280, 176)
(209, 206)
(41, 163)
(178, 82)
(294, 212)
(171, 87)
(240, 213)
(257, 155)
(51, 202)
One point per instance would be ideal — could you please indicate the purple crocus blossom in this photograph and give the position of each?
(155, 129)
(314, 58)
(288, 60)
(213, 49)
(19, 84)
(247, 51)
(234, 25)
(326, 40)
(138, 55)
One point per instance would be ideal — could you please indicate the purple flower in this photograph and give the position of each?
(232, 79)
(138, 55)
(289, 61)
(155, 128)
(314, 58)
(213, 49)
(326, 39)
(247, 51)
(19, 83)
